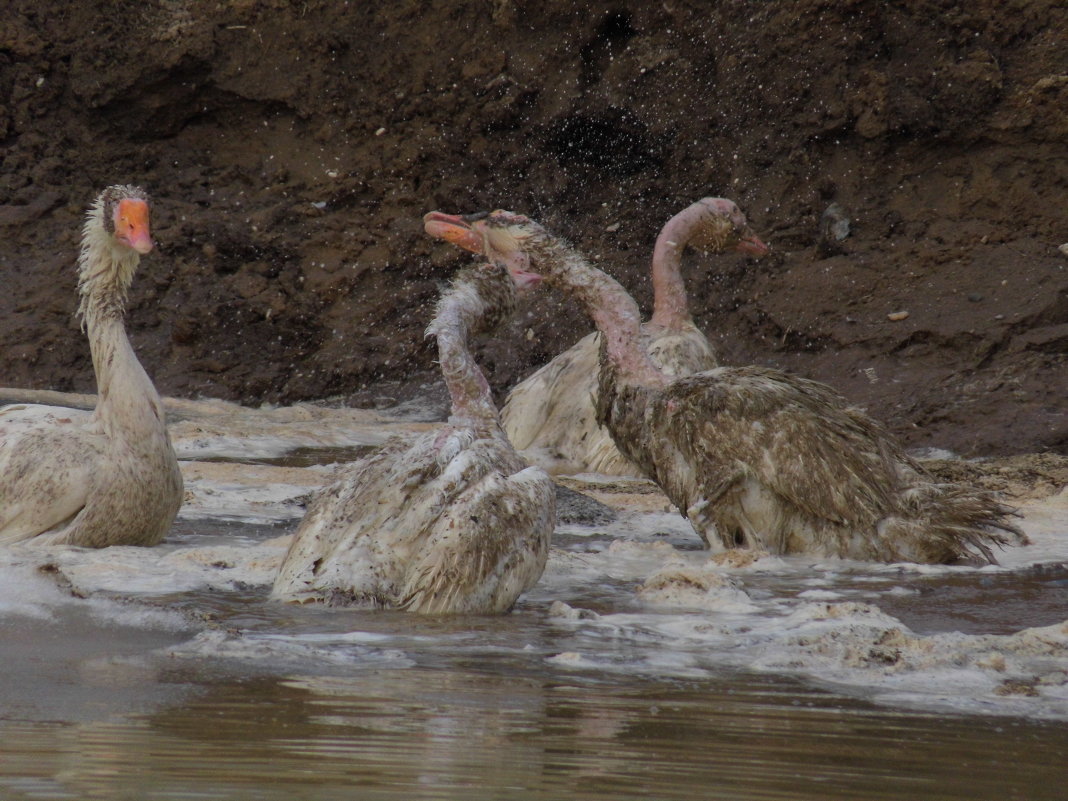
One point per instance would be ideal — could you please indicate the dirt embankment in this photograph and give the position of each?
(293, 147)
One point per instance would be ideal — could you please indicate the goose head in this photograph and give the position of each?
(720, 226)
(125, 215)
(504, 237)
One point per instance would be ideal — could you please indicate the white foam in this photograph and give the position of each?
(273, 649)
(25, 592)
(263, 503)
(170, 569)
(700, 616)
(243, 433)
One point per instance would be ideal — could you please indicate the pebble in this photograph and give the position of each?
(1064, 249)
(897, 316)
(834, 223)
(612, 228)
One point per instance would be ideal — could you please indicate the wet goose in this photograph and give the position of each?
(752, 456)
(109, 477)
(550, 416)
(454, 522)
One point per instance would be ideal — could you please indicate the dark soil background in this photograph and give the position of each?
(292, 148)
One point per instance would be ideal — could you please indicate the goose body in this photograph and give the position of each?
(110, 476)
(752, 456)
(551, 416)
(454, 522)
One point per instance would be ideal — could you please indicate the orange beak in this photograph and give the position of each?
(131, 225)
(752, 245)
(453, 229)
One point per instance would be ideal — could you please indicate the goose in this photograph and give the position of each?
(550, 416)
(752, 456)
(110, 476)
(454, 522)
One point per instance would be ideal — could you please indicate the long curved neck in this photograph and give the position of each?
(670, 307)
(127, 400)
(614, 312)
(459, 311)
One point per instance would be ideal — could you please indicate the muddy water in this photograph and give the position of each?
(466, 709)
(166, 673)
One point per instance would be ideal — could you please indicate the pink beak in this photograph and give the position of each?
(752, 245)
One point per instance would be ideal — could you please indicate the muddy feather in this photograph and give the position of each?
(454, 521)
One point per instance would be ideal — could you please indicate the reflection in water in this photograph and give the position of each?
(426, 733)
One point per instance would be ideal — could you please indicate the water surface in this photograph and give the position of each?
(638, 668)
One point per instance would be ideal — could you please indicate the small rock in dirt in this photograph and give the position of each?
(834, 223)
(897, 316)
(834, 227)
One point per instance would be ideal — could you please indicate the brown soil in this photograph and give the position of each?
(293, 147)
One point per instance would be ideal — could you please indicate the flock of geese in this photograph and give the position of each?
(458, 519)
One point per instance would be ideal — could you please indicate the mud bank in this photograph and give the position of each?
(292, 149)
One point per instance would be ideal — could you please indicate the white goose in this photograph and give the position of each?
(452, 522)
(110, 476)
(550, 415)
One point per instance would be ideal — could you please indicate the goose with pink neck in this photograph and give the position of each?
(454, 522)
(110, 476)
(550, 415)
(752, 456)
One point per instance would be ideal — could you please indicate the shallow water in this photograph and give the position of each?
(278, 702)
(444, 733)
(637, 668)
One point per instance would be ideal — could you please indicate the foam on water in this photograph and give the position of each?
(701, 616)
(25, 592)
(634, 596)
(664, 612)
(209, 499)
(227, 431)
(168, 568)
(280, 651)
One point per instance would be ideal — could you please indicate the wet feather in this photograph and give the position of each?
(452, 522)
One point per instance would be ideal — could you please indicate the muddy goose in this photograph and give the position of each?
(752, 456)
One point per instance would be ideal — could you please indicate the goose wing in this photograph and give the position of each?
(797, 438)
(546, 408)
(682, 352)
(486, 548)
(49, 459)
